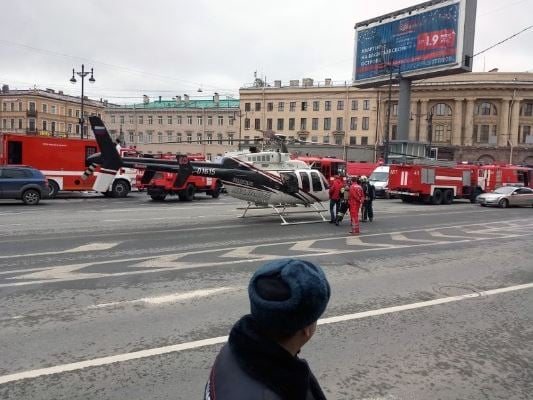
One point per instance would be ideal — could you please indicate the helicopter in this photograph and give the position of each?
(264, 179)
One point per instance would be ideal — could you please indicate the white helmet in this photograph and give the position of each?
(364, 178)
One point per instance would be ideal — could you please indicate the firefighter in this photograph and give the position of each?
(355, 199)
(370, 195)
(335, 198)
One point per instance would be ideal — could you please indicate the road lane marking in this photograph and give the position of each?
(101, 361)
(169, 298)
(79, 249)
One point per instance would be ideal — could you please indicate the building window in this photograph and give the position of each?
(526, 136)
(141, 137)
(199, 120)
(366, 104)
(112, 117)
(219, 138)
(160, 137)
(483, 133)
(442, 110)
(291, 124)
(45, 125)
(353, 123)
(304, 105)
(338, 140)
(150, 120)
(189, 138)
(486, 108)
(394, 107)
(178, 119)
(353, 140)
(69, 111)
(169, 137)
(325, 139)
(366, 122)
(208, 157)
(20, 123)
(281, 106)
(53, 109)
(280, 124)
(257, 106)
(269, 124)
(355, 105)
(45, 108)
(292, 106)
(131, 119)
(442, 132)
(303, 124)
(169, 119)
(149, 137)
(230, 139)
(270, 106)
(121, 119)
(247, 107)
(160, 119)
(78, 128)
(314, 139)
(189, 119)
(316, 105)
(364, 140)
(327, 124)
(131, 137)
(340, 105)
(314, 124)
(257, 124)
(69, 128)
(140, 119)
(339, 127)
(220, 120)
(209, 120)
(209, 138)
(527, 110)
(78, 113)
(247, 123)
(178, 137)
(231, 119)
(327, 105)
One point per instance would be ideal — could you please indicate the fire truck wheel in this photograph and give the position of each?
(54, 188)
(448, 196)
(120, 188)
(215, 193)
(504, 203)
(31, 197)
(158, 197)
(189, 192)
(437, 197)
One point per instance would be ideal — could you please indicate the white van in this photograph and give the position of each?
(380, 180)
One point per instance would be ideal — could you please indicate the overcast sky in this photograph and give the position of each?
(170, 47)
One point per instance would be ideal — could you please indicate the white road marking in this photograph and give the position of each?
(97, 362)
(169, 298)
(356, 241)
(305, 245)
(241, 252)
(79, 249)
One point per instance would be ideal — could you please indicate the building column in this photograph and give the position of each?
(412, 121)
(515, 119)
(457, 124)
(423, 121)
(469, 122)
(503, 131)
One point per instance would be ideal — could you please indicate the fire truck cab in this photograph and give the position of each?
(328, 166)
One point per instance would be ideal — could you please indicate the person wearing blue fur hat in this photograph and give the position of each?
(260, 360)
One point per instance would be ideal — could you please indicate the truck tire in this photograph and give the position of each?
(120, 188)
(54, 188)
(31, 197)
(158, 197)
(188, 193)
(406, 199)
(216, 193)
(437, 197)
(448, 196)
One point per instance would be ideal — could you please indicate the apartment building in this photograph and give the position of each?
(180, 125)
(475, 116)
(45, 112)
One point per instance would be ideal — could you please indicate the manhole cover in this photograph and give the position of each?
(452, 291)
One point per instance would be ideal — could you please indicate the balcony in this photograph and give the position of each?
(339, 133)
(31, 113)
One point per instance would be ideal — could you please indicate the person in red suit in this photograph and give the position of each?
(335, 198)
(355, 199)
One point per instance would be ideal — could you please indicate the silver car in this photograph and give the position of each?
(506, 196)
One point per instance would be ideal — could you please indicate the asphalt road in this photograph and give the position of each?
(131, 299)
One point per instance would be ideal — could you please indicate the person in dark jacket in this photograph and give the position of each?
(260, 360)
(370, 194)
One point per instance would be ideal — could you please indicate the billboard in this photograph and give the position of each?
(430, 39)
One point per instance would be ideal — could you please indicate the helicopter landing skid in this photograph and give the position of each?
(280, 210)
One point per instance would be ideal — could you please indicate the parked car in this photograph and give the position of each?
(506, 196)
(24, 183)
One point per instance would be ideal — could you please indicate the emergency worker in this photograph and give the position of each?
(260, 360)
(370, 195)
(355, 200)
(335, 198)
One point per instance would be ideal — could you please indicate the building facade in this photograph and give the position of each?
(45, 112)
(180, 125)
(486, 117)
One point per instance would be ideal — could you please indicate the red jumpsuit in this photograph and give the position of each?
(355, 199)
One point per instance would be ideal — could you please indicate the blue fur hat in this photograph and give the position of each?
(288, 294)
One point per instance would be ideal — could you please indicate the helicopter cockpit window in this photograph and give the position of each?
(305, 181)
(315, 179)
(290, 182)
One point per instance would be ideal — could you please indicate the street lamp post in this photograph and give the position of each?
(82, 74)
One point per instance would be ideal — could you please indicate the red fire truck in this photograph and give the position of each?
(329, 166)
(440, 184)
(361, 168)
(159, 184)
(62, 161)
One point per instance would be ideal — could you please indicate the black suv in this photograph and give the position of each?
(23, 183)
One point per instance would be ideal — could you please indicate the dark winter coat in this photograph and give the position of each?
(253, 367)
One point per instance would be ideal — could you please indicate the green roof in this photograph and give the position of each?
(185, 104)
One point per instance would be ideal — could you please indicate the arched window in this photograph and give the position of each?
(486, 108)
(442, 110)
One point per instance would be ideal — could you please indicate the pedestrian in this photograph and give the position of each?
(355, 200)
(335, 198)
(370, 194)
(260, 360)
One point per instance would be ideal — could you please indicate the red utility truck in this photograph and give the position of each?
(62, 161)
(328, 166)
(160, 184)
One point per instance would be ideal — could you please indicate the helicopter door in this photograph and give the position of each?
(290, 182)
(305, 181)
(316, 182)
